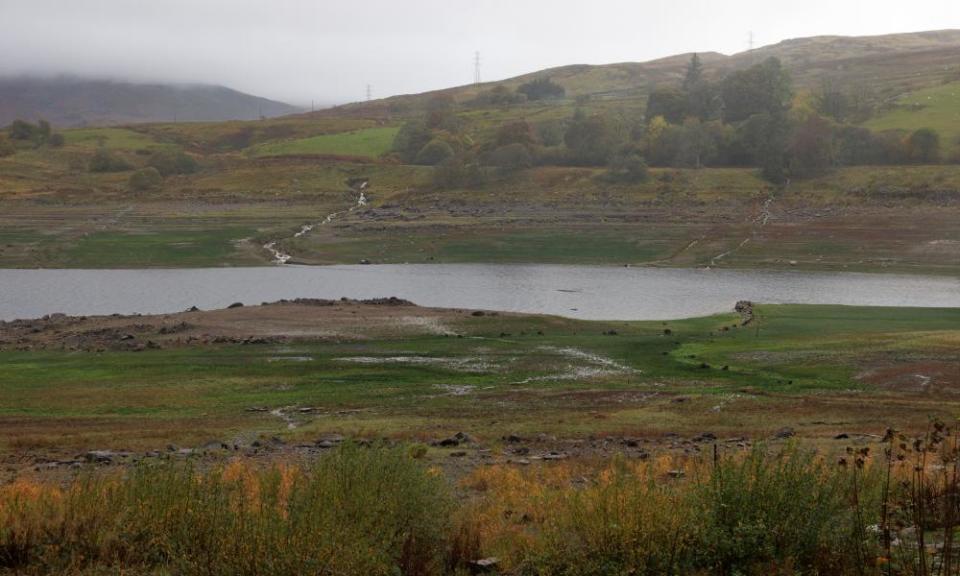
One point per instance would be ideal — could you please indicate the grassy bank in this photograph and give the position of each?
(381, 510)
(821, 370)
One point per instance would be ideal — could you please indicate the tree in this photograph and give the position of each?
(461, 170)
(517, 132)
(667, 102)
(145, 179)
(172, 161)
(441, 113)
(924, 146)
(589, 139)
(434, 152)
(856, 146)
(812, 150)
(56, 140)
(694, 76)
(628, 166)
(22, 130)
(761, 89)
(830, 101)
(511, 158)
(410, 139)
(764, 137)
(696, 144)
(542, 89)
(105, 161)
(6, 147)
(701, 96)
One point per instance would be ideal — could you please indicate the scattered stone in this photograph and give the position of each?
(745, 309)
(458, 454)
(484, 565)
(364, 261)
(784, 433)
(676, 473)
(706, 437)
(842, 436)
(512, 438)
(554, 456)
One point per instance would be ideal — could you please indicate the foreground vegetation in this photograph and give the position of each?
(380, 510)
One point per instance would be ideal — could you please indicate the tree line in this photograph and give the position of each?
(750, 118)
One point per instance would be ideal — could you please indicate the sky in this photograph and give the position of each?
(326, 51)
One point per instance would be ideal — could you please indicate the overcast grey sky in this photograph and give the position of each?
(298, 50)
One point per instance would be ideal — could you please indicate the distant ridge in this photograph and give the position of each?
(72, 101)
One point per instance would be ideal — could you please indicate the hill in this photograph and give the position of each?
(68, 101)
(886, 67)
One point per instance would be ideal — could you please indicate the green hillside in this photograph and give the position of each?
(937, 108)
(368, 143)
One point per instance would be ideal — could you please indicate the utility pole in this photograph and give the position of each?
(369, 93)
(476, 68)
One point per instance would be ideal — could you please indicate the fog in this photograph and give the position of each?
(328, 52)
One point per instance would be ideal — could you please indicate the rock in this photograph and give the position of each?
(446, 442)
(610, 333)
(215, 445)
(458, 454)
(325, 444)
(706, 437)
(478, 313)
(512, 438)
(364, 261)
(484, 565)
(554, 456)
(784, 433)
(463, 437)
(236, 305)
(842, 436)
(676, 473)
(193, 309)
(103, 456)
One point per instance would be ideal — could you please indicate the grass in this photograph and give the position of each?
(381, 510)
(159, 248)
(368, 143)
(937, 108)
(112, 138)
(799, 366)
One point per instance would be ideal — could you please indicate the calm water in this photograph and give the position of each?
(591, 292)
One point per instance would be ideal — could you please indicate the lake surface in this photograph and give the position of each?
(590, 292)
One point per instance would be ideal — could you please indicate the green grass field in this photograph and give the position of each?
(112, 138)
(936, 108)
(369, 143)
(802, 366)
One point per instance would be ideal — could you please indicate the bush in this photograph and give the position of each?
(510, 158)
(542, 89)
(460, 171)
(924, 146)
(355, 511)
(56, 140)
(435, 152)
(410, 140)
(169, 162)
(145, 179)
(22, 130)
(105, 161)
(6, 147)
(628, 167)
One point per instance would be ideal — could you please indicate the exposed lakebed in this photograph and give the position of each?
(588, 292)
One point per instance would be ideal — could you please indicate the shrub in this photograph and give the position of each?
(460, 171)
(6, 147)
(22, 130)
(56, 140)
(145, 179)
(105, 161)
(172, 161)
(628, 167)
(434, 152)
(511, 157)
(410, 140)
(924, 145)
(541, 89)
(355, 511)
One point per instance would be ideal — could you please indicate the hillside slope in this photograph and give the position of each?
(70, 101)
(886, 66)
